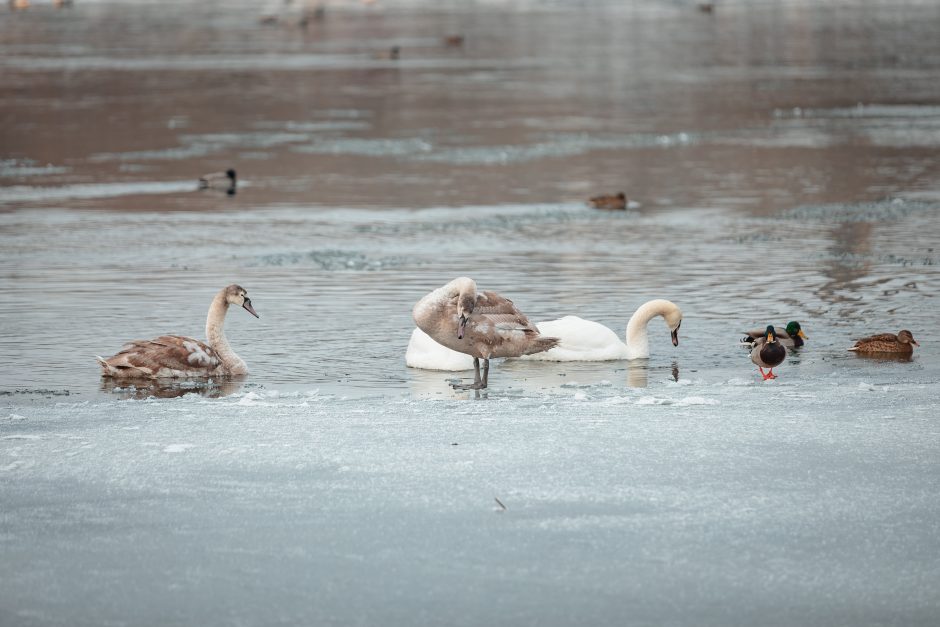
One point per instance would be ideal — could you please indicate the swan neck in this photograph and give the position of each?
(638, 343)
(215, 335)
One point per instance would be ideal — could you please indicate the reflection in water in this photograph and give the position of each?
(885, 357)
(638, 373)
(675, 371)
(147, 388)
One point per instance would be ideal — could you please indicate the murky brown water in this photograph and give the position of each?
(784, 156)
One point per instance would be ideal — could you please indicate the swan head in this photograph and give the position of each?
(465, 304)
(236, 295)
(673, 318)
(794, 330)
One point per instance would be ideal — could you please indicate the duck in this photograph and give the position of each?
(224, 181)
(611, 202)
(585, 340)
(768, 352)
(793, 337)
(453, 41)
(392, 53)
(177, 356)
(902, 343)
(483, 325)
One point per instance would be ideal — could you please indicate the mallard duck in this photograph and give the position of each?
(175, 356)
(224, 181)
(612, 202)
(791, 338)
(902, 343)
(768, 352)
(392, 53)
(482, 325)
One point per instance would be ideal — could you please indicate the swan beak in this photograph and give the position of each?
(249, 308)
(675, 337)
(461, 327)
(802, 335)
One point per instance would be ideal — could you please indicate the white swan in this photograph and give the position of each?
(584, 340)
(426, 354)
(581, 340)
(175, 356)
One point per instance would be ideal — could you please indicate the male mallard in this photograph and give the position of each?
(791, 338)
(902, 343)
(768, 352)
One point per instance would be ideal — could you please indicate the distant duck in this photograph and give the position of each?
(706, 7)
(483, 325)
(453, 41)
(768, 352)
(392, 53)
(584, 340)
(791, 338)
(611, 202)
(175, 356)
(224, 181)
(902, 343)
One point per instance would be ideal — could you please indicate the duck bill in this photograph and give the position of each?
(675, 337)
(914, 342)
(247, 306)
(770, 338)
(461, 327)
(802, 335)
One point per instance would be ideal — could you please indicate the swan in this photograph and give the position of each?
(426, 354)
(482, 325)
(175, 356)
(584, 340)
(580, 340)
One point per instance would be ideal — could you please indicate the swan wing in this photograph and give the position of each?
(165, 356)
(580, 340)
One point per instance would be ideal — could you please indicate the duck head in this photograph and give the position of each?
(906, 337)
(770, 335)
(794, 330)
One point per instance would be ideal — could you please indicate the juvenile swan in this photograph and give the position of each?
(483, 326)
(175, 356)
(584, 340)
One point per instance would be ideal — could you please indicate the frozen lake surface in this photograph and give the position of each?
(784, 157)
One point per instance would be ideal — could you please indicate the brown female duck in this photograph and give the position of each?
(903, 343)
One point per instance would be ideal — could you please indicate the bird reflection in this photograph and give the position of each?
(638, 373)
(675, 371)
(885, 357)
(147, 388)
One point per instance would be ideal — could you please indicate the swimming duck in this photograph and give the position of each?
(902, 343)
(175, 356)
(225, 181)
(392, 53)
(483, 325)
(615, 202)
(585, 340)
(768, 352)
(453, 41)
(791, 338)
